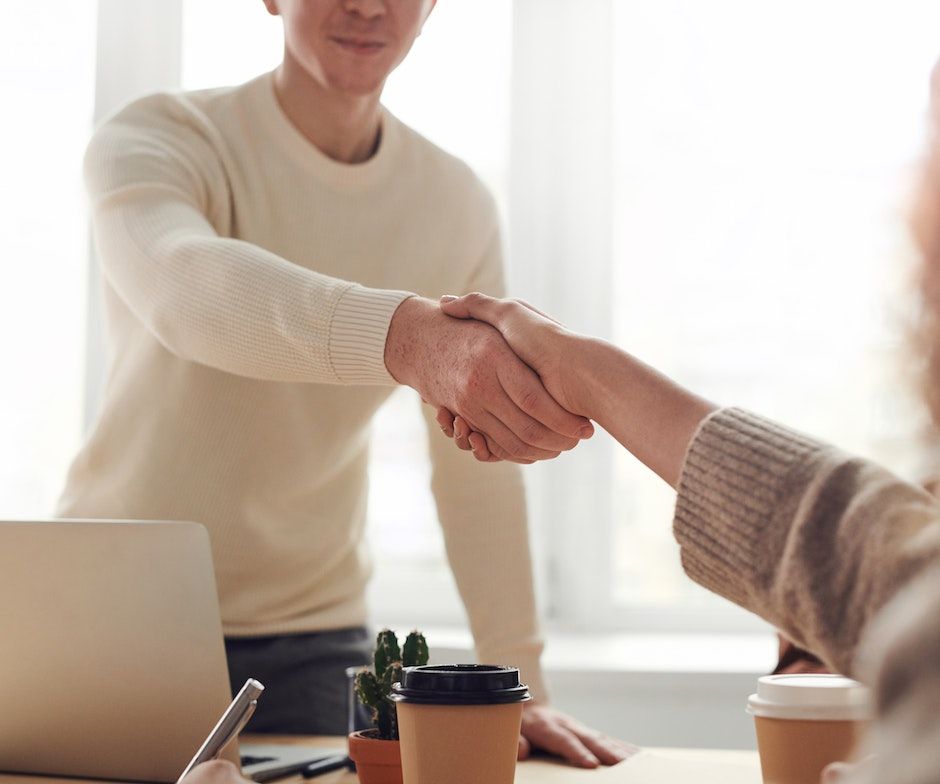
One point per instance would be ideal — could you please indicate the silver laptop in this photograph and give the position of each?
(112, 662)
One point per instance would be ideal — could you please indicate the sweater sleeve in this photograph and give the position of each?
(813, 540)
(902, 654)
(482, 511)
(158, 194)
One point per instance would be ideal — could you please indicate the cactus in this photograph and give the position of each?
(374, 686)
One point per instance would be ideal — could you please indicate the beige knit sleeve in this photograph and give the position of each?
(158, 193)
(813, 540)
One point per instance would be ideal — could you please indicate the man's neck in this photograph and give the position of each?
(344, 127)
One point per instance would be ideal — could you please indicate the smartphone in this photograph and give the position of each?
(232, 722)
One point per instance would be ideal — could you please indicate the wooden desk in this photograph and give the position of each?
(537, 771)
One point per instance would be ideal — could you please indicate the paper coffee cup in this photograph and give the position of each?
(804, 722)
(459, 723)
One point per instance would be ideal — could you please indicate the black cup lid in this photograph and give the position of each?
(460, 684)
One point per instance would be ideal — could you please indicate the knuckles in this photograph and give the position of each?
(532, 433)
(529, 402)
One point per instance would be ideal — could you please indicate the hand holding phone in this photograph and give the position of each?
(232, 722)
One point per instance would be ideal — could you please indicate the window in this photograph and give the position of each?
(47, 57)
(761, 157)
(717, 187)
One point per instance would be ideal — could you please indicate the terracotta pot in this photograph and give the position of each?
(377, 761)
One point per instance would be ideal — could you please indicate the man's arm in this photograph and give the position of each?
(158, 191)
(159, 197)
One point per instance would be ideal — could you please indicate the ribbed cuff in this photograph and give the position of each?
(358, 331)
(739, 472)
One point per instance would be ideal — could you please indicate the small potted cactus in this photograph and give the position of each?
(376, 751)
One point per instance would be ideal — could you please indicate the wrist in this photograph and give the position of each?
(408, 323)
(587, 358)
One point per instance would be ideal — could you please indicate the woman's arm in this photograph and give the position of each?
(649, 414)
(813, 540)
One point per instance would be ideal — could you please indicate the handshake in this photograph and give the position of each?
(504, 377)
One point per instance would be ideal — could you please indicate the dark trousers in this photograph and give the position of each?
(304, 677)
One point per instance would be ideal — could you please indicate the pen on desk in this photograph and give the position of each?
(325, 766)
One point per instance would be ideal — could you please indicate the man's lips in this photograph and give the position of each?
(358, 45)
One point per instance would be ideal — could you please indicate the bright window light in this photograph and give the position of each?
(47, 61)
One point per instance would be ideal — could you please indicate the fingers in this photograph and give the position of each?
(476, 306)
(529, 429)
(467, 439)
(536, 310)
(560, 429)
(608, 750)
(214, 772)
(504, 443)
(525, 748)
(461, 434)
(481, 450)
(553, 731)
(836, 772)
(484, 308)
(588, 748)
(445, 420)
(557, 739)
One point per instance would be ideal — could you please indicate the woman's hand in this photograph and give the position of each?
(649, 414)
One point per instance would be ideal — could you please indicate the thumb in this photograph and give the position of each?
(525, 748)
(471, 306)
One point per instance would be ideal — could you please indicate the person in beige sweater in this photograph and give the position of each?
(837, 552)
(272, 254)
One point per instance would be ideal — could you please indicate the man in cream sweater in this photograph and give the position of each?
(269, 252)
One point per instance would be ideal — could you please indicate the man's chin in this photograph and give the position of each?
(359, 86)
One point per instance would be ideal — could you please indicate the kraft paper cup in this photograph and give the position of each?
(804, 722)
(459, 723)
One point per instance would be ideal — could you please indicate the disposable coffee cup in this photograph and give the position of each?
(459, 723)
(805, 722)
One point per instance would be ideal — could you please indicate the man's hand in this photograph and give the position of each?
(542, 343)
(557, 733)
(468, 368)
(215, 772)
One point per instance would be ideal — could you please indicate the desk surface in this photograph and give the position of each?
(543, 771)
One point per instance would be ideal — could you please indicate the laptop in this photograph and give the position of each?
(111, 652)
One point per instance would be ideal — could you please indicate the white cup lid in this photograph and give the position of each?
(813, 697)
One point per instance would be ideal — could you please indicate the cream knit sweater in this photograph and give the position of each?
(837, 552)
(249, 285)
